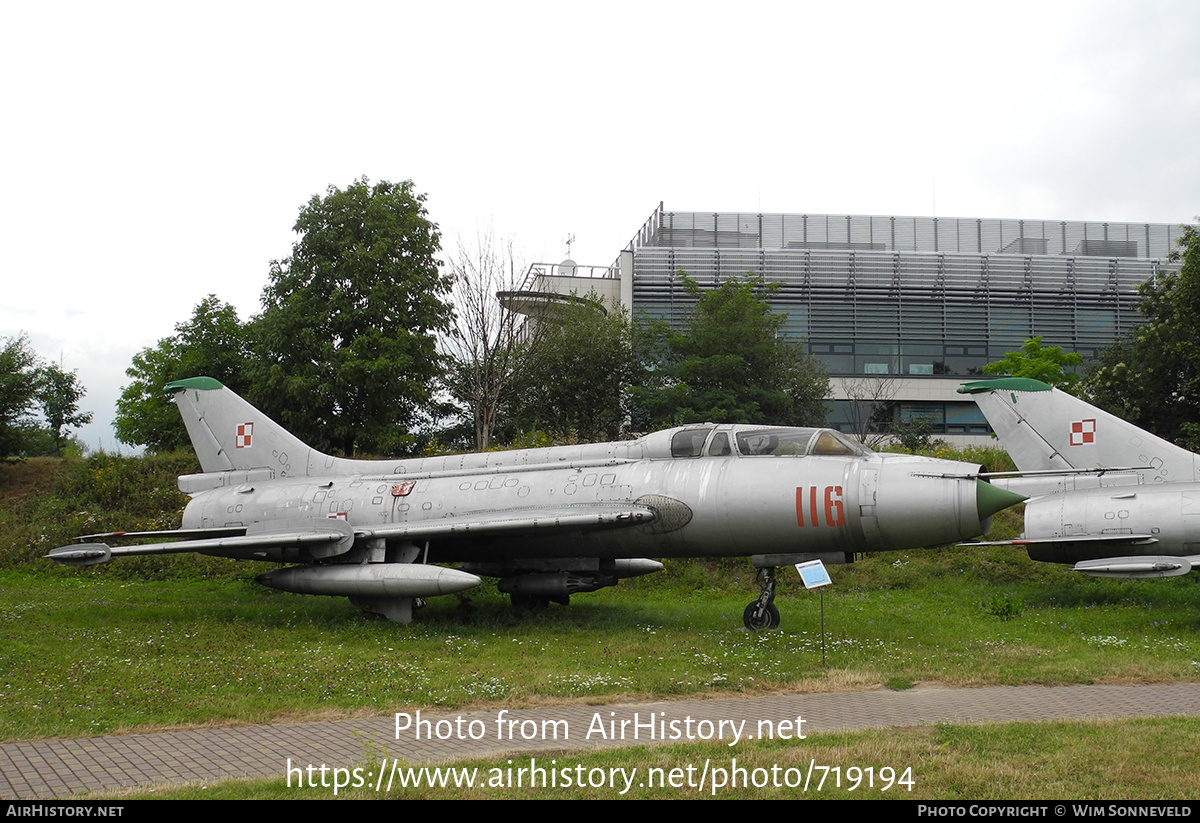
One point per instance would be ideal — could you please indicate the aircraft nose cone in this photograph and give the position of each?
(989, 499)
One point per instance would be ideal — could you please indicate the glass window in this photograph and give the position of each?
(965, 359)
(775, 442)
(877, 358)
(689, 442)
(935, 413)
(838, 358)
(921, 359)
(719, 447)
(833, 443)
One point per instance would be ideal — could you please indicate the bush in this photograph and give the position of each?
(102, 493)
(1005, 606)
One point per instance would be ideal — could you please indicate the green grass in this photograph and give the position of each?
(90, 653)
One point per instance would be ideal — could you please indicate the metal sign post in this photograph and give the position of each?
(816, 576)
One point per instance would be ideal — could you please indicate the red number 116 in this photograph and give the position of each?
(832, 506)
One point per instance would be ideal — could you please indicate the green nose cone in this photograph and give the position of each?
(989, 499)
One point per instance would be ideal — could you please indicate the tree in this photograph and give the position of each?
(213, 342)
(487, 346)
(1151, 376)
(1049, 364)
(18, 390)
(347, 353)
(729, 364)
(59, 393)
(579, 372)
(871, 404)
(915, 434)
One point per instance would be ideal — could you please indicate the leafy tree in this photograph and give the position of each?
(914, 434)
(18, 391)
(580, 369)
(59, 393)
(1049, 364)
(729, 364)
(1151, 376)
(213, 342)
(346, 345)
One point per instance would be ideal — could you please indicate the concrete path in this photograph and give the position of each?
(62, 768)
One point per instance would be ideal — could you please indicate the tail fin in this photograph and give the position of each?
(1043, 428)
(229, 434)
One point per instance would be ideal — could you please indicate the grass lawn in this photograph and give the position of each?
(85, 653)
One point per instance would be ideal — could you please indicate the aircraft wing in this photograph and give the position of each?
(1115, 540)
(324, 538)
(507, 522)
(330, 537)
(1067, 549)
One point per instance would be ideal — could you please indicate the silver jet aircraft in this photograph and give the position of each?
(1138, 521)
(547, 522)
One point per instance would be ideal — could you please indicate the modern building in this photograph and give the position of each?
(901, 310)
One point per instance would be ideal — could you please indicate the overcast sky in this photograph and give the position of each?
(158, 152)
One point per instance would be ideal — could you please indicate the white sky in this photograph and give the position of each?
(154, 153)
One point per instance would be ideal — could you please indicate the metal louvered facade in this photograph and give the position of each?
(911, 296)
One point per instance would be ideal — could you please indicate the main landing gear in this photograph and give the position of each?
(762, 613)
(529, 602)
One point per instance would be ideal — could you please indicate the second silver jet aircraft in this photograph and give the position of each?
(1112, 499)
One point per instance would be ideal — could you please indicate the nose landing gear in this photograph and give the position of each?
(762, 613)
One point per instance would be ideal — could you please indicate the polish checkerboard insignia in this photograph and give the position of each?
(1083, 432)
(244, 436)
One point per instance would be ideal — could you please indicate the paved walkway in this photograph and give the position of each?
(61, 768)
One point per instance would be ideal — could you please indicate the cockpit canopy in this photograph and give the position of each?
(761, 441)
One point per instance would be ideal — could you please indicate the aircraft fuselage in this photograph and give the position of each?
(707, 505)
(1169, 513)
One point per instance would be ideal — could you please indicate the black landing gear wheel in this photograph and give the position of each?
(757, 618)
(762, 613)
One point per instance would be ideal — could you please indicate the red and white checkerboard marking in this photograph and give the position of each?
(1083, 432)
(244, 436)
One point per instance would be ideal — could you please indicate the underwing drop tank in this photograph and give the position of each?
(370, 580)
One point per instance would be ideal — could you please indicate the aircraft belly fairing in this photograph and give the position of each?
(548, 522)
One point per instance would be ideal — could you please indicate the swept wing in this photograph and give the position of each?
(330, 537)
